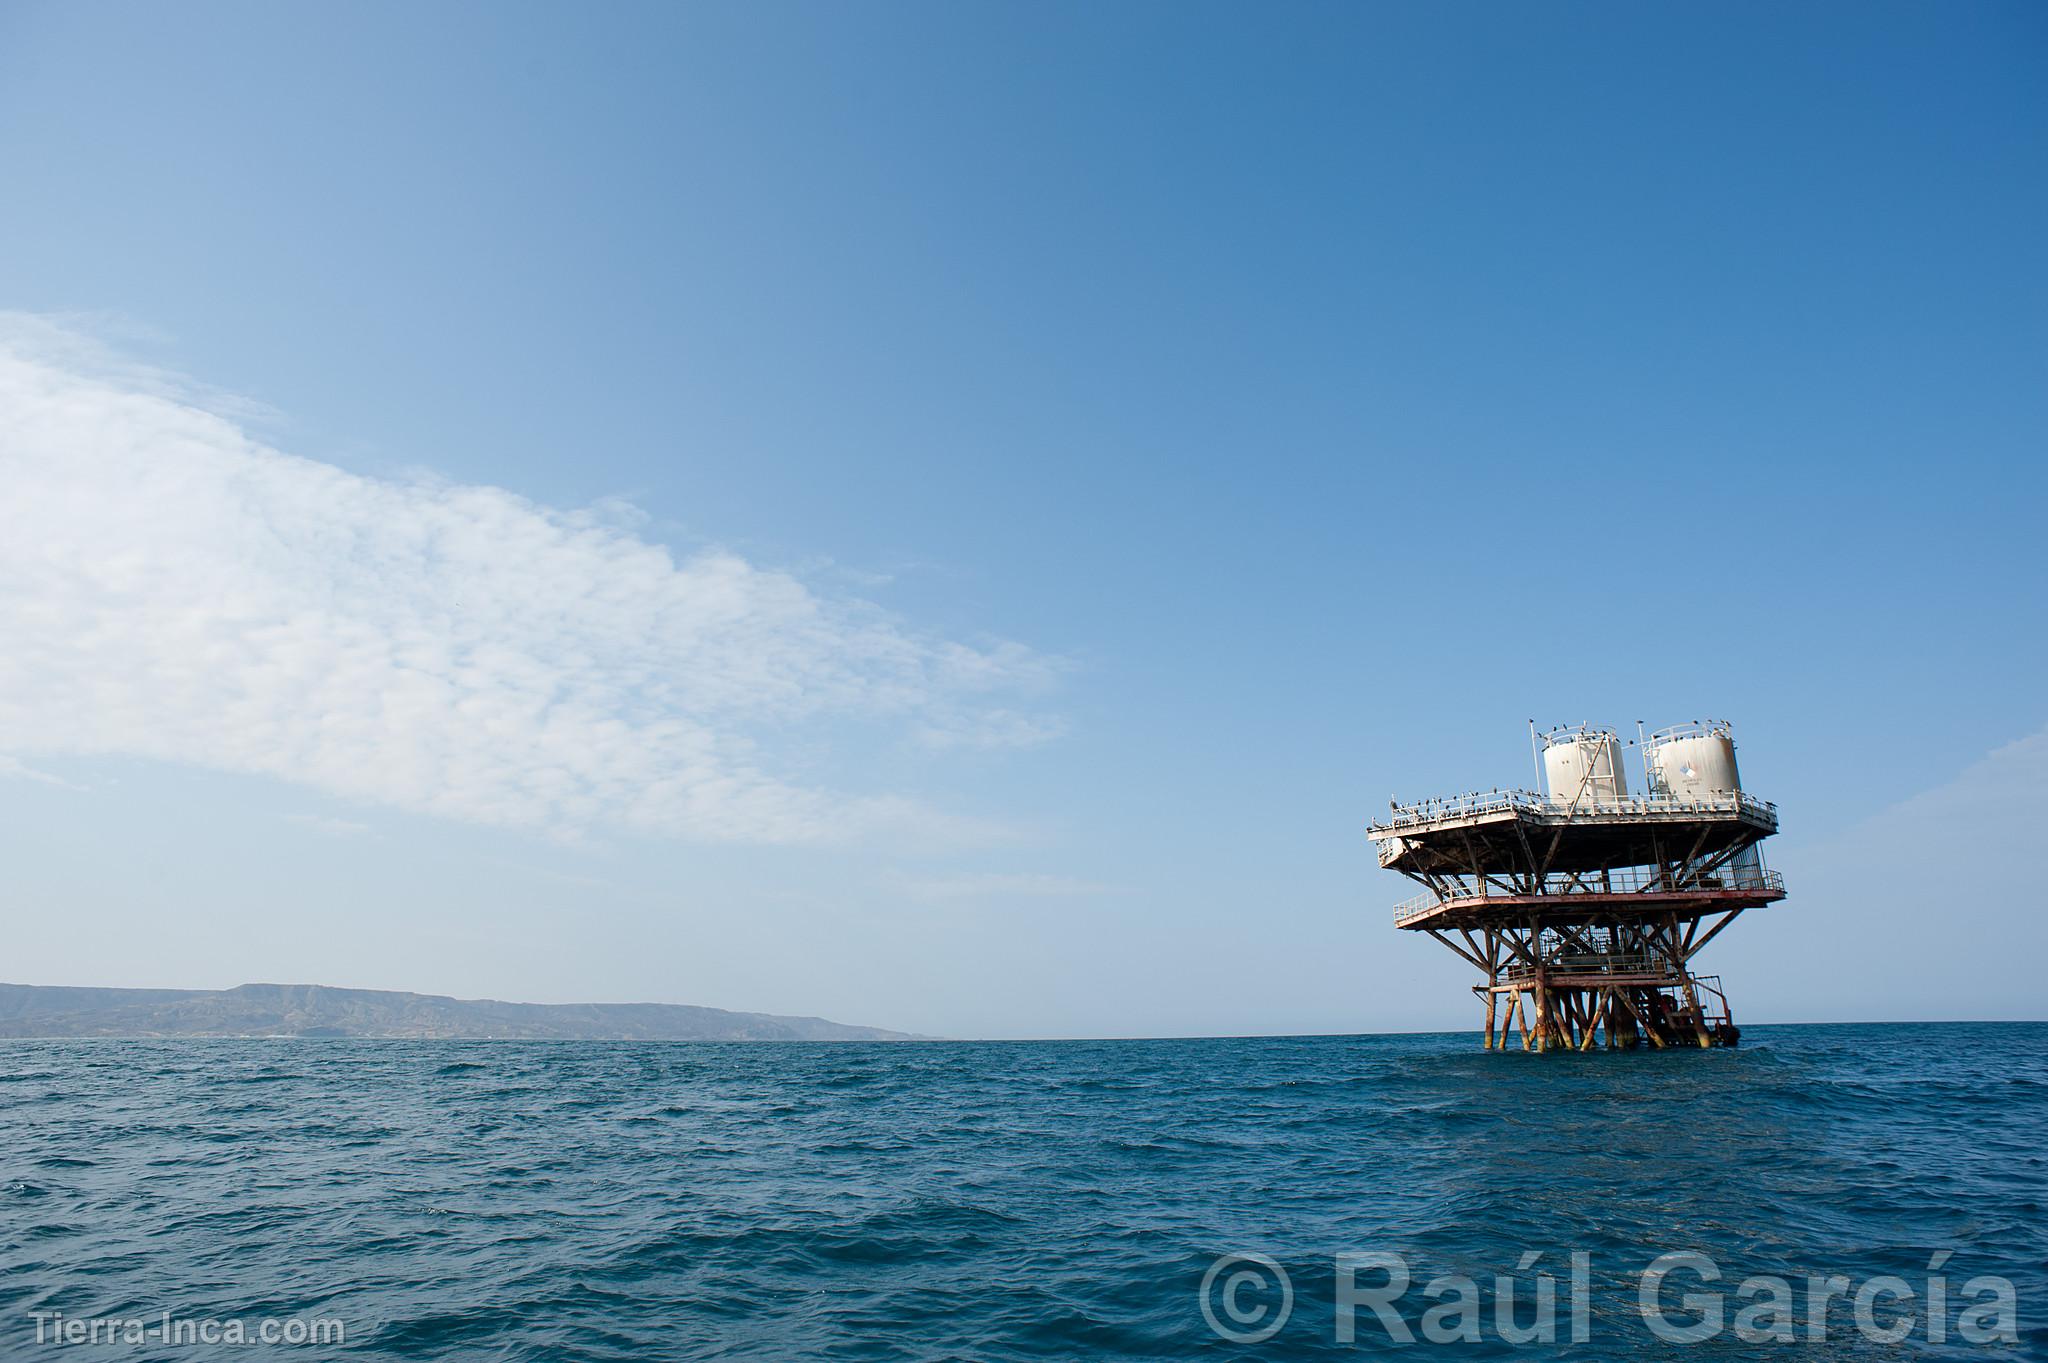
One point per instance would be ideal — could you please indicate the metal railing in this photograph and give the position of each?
(1699, 728)
(1529, 802)
(1625, 880)
(1596, 964)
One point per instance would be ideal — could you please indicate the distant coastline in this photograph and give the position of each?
(313, 1010)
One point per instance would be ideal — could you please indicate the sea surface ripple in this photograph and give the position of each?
(562, 1200)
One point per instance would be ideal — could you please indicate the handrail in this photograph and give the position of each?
(1626, 880)
(1698, 728)
(1528, 801)
(1596, 964)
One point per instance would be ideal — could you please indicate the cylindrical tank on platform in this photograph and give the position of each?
(1583, 767)
(1692, 761)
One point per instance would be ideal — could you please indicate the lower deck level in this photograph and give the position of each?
(1619, 1013)
(1567, 983)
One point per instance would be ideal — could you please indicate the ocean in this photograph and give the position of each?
(1032, 1200)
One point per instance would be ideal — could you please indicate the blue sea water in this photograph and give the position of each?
(547, 1200)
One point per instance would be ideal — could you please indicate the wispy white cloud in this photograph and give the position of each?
(13, 768)
(1990, 807)
(1925, 909)
(995, 885)
(328, 827)
(992, 728)
(172, 588)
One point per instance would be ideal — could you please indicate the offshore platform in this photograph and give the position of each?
(1585, 904)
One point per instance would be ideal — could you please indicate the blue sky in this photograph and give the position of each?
(1115, 448)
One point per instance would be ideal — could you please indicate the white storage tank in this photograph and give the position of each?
(1582, 767)
(1692, 761)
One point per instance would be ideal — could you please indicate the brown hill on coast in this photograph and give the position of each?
(319, 1010)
